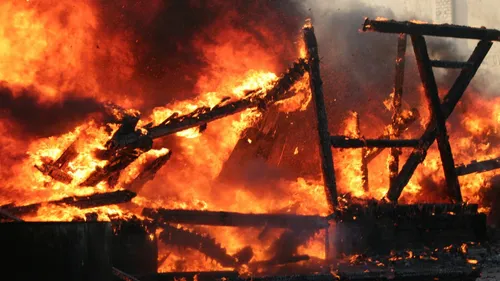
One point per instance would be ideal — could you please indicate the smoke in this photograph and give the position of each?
(36, 119)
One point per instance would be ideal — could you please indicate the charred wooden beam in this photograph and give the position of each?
(55, 169)
(407, 210)
(440, 30)
(346, 142)
(5, 214)
(432, 95)
(82, 202)
(192, 276)
(396, 106)
(180, 237)
(316, 85)
(256, 98)
(449, 64)
(478, 167)
(148, 173)
(449, 102)
(122, 275)
(235, 219)
(403, 123)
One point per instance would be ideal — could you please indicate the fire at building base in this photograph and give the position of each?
(107, 215)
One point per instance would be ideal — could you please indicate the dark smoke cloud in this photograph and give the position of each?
(36, 119)
(163, 36)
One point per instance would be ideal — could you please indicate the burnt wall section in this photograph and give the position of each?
(56, 251)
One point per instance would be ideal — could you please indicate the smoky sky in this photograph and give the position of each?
(162, 35)
(43, 120)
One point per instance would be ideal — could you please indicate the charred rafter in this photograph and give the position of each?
(478, 166)
(346, 142)
(55, 169)
(449, 102)
(440, 30)
(235, 219)
(318, 99)
(82, 202)
(431, 93)
(148, 173)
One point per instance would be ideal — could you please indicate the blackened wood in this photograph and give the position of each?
(6, 215)
(396, 106)
(318, 98)
(148, 173)
(478, 167)
(406, 210)
(346, 142)
(440, 30)
(403, 124)
(432, 95)
(82, 202)
(449, 102)
(58, 251)
(449, 64)
(364, 163)
(235, 219)
(261, 97)
(122, 275)
(181, 237)
(134, 247)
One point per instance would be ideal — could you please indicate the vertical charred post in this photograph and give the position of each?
(316, 85)
(364, 162)
(449, 102)
(396, 106)
(431, 93)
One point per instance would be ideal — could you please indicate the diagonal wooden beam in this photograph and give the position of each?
(449, 102)
(431, 93)
(318, 99)
(393, 162)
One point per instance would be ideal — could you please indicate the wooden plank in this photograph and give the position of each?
(449, 102)
(478, 167)
(316, 85)
(431, 93)
(449, 64)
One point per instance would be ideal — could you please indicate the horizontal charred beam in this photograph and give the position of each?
(82, 202)
(7, 215)
(440, 30)
(346, 142)
(478, 167)
(405, 210)
(449, 64)
(253, 99)
(235, 219)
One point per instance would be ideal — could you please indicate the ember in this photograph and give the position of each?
(218, 176)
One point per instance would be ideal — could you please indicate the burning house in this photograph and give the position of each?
(204, 140)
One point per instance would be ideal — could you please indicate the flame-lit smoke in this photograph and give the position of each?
(63, 60)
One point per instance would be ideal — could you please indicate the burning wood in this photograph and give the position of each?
(440, 30)
(82, 202)
(122, 275)
(148, 173)
(236, 219)
(447, 106)
(9, 216)
(318, 99)
(393, 164)
(432, 95)
(403, 123)
(201, 116)
(55, 169)
(346, 142)
(478, 167)
(203, 243)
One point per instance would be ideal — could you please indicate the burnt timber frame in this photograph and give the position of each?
(440, 110)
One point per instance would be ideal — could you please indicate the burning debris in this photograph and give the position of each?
(305, 235)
